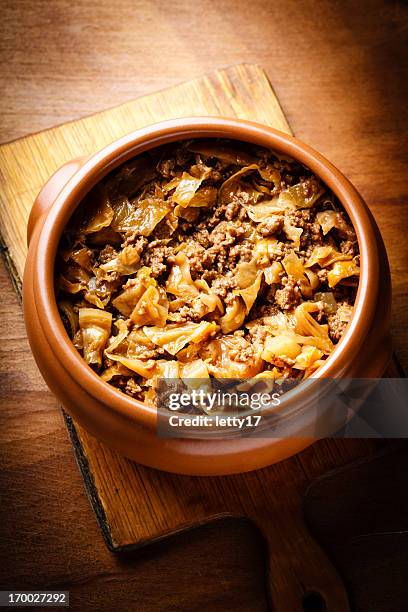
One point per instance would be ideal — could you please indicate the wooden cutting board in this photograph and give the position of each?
(134, 504)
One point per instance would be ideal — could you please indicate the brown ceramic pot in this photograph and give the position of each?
(129, 426)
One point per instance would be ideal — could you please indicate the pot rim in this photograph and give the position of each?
(130, 145)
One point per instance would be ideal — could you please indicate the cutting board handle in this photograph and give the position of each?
(50, 191)
(306, 580)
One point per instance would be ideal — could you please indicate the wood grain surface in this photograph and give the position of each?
(82, 58)
(352, 513)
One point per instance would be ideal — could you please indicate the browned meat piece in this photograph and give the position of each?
(240, 252)
(107, 254)
(299, 218)
(196, 257)
(348, 247)
(158, 258)
(258, 335)
(336, 327)
(133, 389)
(223, 286)
(202, 236)
(311, 186)
(290, 295)
(240, 349)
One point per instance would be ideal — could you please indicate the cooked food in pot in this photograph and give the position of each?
(207, 258)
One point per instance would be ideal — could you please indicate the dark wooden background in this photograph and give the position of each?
(340, 72)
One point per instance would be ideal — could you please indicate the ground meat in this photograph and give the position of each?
(209, 257)
(240, 349)
(311, 186)
(140, 244)
(228, 211)
(107, 254)
(258, 335)
(336, 327)
(188, 313)
(202, 236)
(209, 275)
(285, 368)
(133, 389)
(311, 237)
(281, 249)
(181, 316)
(299, 218)
(348, 247)
(231, 210)
(271, 226)
(158, 257)
(222, 238)
(290, 295)
(322, 275)
(223, 286)
(195, 254)
(240, 252)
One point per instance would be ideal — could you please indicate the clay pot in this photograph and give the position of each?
(129, 426)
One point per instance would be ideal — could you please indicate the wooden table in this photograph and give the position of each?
(340, 72)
